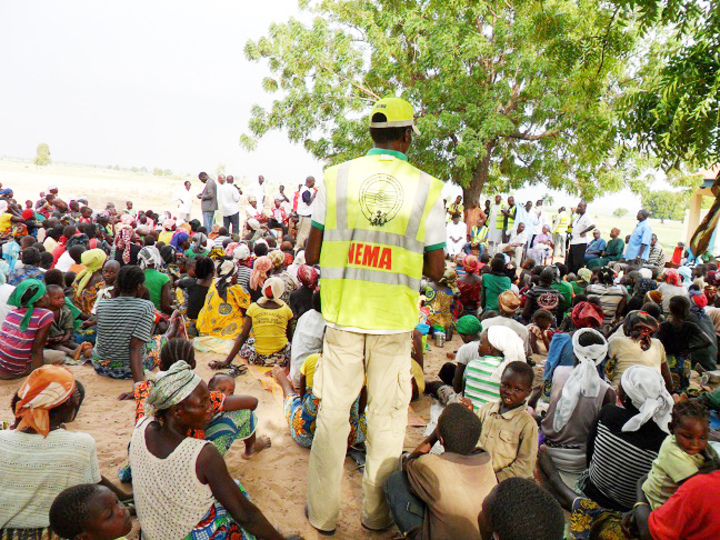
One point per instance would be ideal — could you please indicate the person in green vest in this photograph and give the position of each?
(478, 240)
(509, 214)
(378, 227)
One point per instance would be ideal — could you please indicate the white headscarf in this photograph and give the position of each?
(272, 289)
(645, 273)
(646, 389)
(584, 379)
(507, 342)
(241, 253)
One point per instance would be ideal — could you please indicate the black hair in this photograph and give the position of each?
(54, 287)
(692, 408)
(202, 229)
(541, 314)
(459, 428)
(39, 247)
(55, 233)
(215, 378)
(485, 258)
(547, 275)
(54, 277)
(521, 509)
(260, 249)
(69, 231)
(46, 260)
(174, 350)
(497, 265)
(606, 276)
(447, 373)
(222, 231)
(679, 307)
(523, 369)
(315, 302)
(128, 278)
(31, 257)
(563, 269)
(204, 267)
(194, 225)
(652, 309)
(69, 511)
(76, 252)
(635, 303)
(386, 135)
(590, 338)
(167, 253)
(149, 240)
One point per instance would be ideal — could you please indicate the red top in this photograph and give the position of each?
(691, 513)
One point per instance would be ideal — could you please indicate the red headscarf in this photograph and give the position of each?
(586, 315)
(672, 277)
(308, 277)
(471, 264)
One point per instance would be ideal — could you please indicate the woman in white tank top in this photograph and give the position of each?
(182, 487)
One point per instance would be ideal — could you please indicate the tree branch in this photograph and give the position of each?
(528, 137)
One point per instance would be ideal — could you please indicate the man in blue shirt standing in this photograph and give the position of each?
(638, 247)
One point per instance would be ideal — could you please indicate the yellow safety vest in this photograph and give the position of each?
(563, 223)
(479, 235)
(511, 220)
(374, 240)
(500, 219)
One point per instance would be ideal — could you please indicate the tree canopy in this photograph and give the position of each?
(672, 106)
(507, 92)
(664, 204)
(42, 154)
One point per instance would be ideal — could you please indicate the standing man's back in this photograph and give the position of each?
(208, 200)
(377, 226)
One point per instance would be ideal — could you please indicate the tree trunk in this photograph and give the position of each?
(480, 176)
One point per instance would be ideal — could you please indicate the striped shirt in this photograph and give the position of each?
(16, 344)
(618, 459)
(118, 321)
(609, 297)
(479, 388)
(34, 470)
(243, 277)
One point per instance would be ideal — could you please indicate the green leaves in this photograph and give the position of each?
(507, 92)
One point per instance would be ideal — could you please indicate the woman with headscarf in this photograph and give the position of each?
(301, 299)
(89, 281)
(39, 458)
(278, 270)
(584, 277)
(25, 330)
(470, 286)
(258, 276)
(167, 233)
(180, 240)
(198, 246)
(157, 283)
(637, 347)
(671, 288)
(241, 255)
(226, 302)
(268, 320)
(643, 283)
(126, 250)
(298, 261)
(441, 297)
(576, 397)
(497, 347)
(612, 297)
(686, 274)
(181, 485)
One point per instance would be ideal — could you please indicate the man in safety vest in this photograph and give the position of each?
(509, 214)
(378, 226)
(478, 243)
(495, 223)
(560, 226)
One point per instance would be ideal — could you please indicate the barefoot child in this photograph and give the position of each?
(89, 512)
(62, 327)
(683, 454)
(509, 432)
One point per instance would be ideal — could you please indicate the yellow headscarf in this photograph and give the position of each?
(93, 259)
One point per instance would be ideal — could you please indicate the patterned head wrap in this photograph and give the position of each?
(230, 248)
(122, 241)
(171, 387)
(646, 389)
(241, 253)
(469, 325)
(259, 272)
(46, 388)
(586, 315)
(93, 260)
(584, 379)
(37, 288)
(449, 280)
(272, 289)
(308, 277)
(470, 264)
(149, 257)
(585, 274)
(672, 277)
(199, 242)
(640, 326)
(508, 301)
(278, 259)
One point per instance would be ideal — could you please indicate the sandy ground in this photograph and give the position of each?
(275, 478)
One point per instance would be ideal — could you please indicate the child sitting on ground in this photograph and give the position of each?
(509, 432)
(538, 330)
(223, 383)
(63, 326)
(683, 454)
(447, 490)
(89, 512)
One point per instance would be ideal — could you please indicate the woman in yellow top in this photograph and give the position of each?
(225, 305)
(268, 320)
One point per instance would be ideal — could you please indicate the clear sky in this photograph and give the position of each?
(150, 84)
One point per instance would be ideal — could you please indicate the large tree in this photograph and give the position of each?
(507, 92)
(672, 106)
(42, 154)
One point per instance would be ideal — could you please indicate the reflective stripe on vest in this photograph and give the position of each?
(373, 242)
(500, 219)
(479, 236)
(511, 217)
